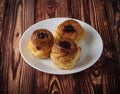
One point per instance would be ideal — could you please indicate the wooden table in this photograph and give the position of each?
(17, 77)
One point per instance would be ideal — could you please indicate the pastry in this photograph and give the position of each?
(40, 43)
(69, 29)
(65, 53)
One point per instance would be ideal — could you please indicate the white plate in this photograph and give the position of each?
(91, 45)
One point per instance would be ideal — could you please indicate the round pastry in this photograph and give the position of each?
(65, 53)
(40, 43)
(69, 29)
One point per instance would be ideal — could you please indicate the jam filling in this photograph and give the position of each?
(38, 48)
(68, 28)
(42, 35)
(65, 44)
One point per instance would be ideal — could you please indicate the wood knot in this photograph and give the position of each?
(17, 34)
(50, 7)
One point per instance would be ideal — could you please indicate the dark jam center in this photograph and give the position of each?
(38, 48)
(65, 44)
(42, 35)
(68, 28)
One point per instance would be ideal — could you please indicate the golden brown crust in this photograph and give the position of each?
(76, 33)
(65, 58)
(40, 43)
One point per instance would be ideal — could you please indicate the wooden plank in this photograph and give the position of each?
(2, 8)
(97, 77)
(16, 20)
(113, 12)
(27, 77)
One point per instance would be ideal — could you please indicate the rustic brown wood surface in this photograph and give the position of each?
(17, 77)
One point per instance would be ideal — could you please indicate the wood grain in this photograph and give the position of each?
(17, 77)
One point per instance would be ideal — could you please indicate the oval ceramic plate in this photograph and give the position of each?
(91, 45)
